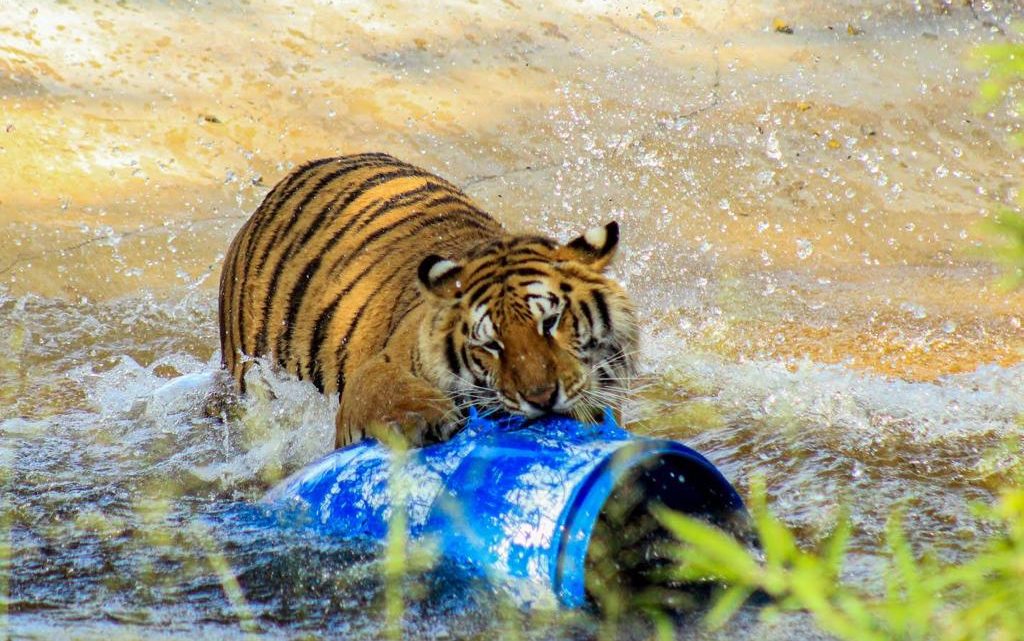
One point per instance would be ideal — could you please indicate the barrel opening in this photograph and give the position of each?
(630, 552)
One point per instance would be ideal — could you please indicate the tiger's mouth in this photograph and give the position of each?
(582, 400)
(576, 408)
(558, 401)
(548, 400)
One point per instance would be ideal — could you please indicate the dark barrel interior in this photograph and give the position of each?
(630, 551)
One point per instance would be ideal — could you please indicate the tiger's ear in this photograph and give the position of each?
(595, 248)
(439, 276)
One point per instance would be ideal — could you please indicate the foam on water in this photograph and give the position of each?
(230, 441)
(862, 407)
(283, 424)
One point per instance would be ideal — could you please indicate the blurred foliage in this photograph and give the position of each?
(919, 598)
(1004, 64)
(1007, 230)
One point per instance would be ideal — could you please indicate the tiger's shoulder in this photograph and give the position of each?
(332, 246)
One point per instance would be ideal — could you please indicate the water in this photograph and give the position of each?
(799, 218)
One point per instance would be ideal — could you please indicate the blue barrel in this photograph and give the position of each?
(517, 502)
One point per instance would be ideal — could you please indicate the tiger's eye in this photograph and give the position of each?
(492, 346)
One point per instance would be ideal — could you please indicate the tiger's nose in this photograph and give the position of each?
(542, 397)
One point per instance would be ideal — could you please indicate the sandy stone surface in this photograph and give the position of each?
(806, 195)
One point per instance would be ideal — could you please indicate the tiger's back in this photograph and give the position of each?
(323, 272)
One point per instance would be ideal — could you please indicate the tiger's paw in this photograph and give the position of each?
(409, 417)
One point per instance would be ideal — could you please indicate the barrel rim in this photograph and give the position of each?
(583, 508)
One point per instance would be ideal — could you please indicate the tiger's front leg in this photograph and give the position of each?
(383, 401)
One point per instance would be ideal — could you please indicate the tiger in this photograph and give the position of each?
(385, 284)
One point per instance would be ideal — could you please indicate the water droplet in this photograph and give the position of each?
(771, 148)
(804, 248)
(915, 310)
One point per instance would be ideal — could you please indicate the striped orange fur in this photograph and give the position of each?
(381, 282)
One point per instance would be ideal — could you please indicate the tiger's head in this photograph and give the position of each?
(530, 326)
